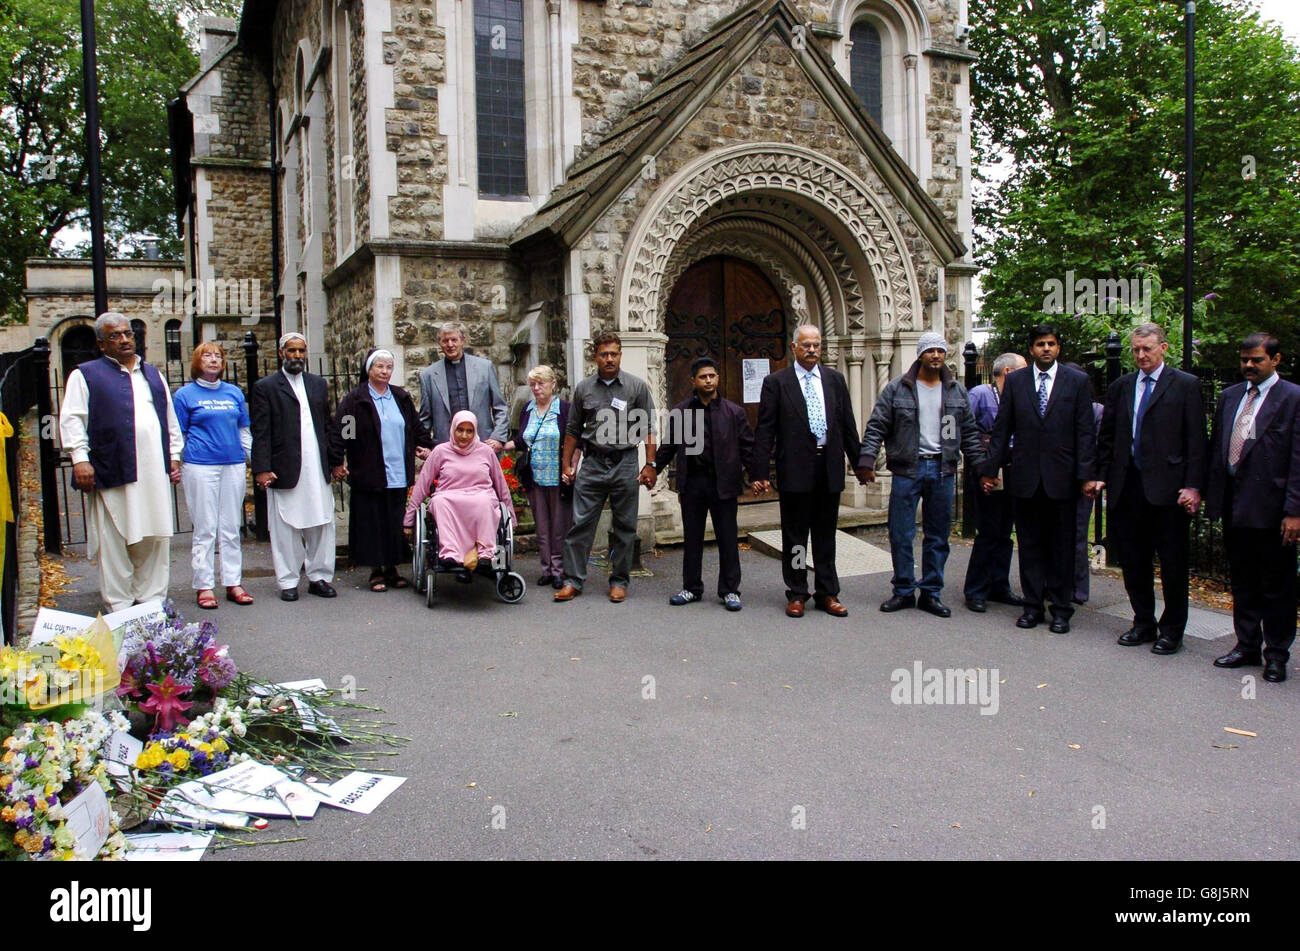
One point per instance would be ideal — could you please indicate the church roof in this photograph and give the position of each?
(597, 179)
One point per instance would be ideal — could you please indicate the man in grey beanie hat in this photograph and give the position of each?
(925, 422)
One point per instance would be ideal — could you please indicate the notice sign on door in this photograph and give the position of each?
(753, 372)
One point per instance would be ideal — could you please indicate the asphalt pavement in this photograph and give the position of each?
(592, 730)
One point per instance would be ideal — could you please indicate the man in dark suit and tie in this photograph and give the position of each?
(1151, 453)
(1047, 408)
(1254, 486)
(805, 414)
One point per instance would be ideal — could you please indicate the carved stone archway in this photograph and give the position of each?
(757, 168)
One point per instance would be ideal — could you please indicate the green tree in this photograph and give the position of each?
(1083, 103)
(144, 58)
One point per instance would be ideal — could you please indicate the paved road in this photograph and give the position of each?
(760, 724)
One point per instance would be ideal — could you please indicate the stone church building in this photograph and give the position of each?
(699, 175)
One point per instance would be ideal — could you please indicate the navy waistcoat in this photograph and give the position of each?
(111, 419)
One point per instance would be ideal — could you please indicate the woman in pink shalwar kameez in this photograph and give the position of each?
(471, 487)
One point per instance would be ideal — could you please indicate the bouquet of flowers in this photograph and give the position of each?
(59, 680)
(517, 497)
(43, 767)
(167, 659)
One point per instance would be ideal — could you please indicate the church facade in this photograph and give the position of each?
(699, 175)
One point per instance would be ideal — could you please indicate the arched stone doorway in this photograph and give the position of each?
(728, 309)
(77, 345)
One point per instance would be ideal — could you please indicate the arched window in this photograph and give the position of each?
(499, 93)
(865, 68)
(138, 328)
(304, 145)
(172, 338)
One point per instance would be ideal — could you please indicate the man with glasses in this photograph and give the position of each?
(806, 417)
(120, 428)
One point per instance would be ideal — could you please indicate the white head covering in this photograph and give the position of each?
(376, 355)
(291, 335)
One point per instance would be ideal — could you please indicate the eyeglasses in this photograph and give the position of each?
(119, 335)
(807, 346)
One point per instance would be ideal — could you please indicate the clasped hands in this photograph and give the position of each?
(864, 475)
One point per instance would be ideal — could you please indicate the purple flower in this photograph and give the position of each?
(1211, 296)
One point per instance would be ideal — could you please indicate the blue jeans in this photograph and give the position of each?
(935, 492)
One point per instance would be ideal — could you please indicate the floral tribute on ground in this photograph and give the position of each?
(169, 720)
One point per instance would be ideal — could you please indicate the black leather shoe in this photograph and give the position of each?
(898, 602)
(1166, 645)
(1028, 619)
(978, 605)
(1059, 625)
(1274, 671)
(288, 594)
(322, 589)
(1006, 598)
(1237, 658)
(931, 604)
(1133, 637)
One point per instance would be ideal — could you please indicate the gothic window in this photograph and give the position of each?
(138, 328)
(499, 86)
(304, 146)
(865, 72)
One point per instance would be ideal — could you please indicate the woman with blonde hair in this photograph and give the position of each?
(214, 420)
(540, 435)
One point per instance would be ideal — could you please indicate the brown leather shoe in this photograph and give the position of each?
(617, 594)
(794, 608)
(566, 593)
(830, 605)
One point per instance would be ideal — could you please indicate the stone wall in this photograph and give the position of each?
(352, 316)
(239, 210)
(943, 130)
(242, 109)
(626, 45)
(769, 98)
(360, 96)
(416, 49)
(484, 294)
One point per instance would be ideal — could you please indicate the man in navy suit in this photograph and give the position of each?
(1151, 453)
(1254, 486)
(805, 414)
(1047, 408)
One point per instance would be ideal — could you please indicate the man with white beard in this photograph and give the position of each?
(290, 416)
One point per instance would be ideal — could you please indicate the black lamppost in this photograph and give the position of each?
(1189, 189)
(90, 101)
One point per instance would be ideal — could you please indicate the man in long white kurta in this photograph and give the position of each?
(302, 518)
(129, 527)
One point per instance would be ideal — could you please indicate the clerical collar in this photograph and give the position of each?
(456, 361)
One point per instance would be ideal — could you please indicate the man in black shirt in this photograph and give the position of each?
(711, 441)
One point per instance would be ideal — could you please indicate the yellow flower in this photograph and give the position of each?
(220, 745)
(151, 758)
(180, 760)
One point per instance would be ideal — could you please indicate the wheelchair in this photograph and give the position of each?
(426, 566)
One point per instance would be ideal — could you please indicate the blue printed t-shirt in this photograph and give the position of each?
(210, 420)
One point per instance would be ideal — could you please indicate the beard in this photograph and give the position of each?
(295, 366)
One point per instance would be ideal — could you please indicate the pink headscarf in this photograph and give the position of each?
(464, 416)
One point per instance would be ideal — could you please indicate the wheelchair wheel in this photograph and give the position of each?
(418, 543)
(511, 587)
(430, 587)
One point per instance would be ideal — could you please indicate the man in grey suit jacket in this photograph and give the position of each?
(461, 381)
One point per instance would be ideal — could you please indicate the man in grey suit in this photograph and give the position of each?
(460, 381)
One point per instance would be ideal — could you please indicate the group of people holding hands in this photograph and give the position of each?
(1041, 448)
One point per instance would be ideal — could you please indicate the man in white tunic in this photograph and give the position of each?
(290, 416)
(118, 425)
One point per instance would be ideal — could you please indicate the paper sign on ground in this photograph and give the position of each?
(174, 809)
(253, 787)
(51, 624)
(168, 846)
(119, 755)
(753, 372)
(133, 613)
(361, 792)
(306, 715)
(88, 819)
